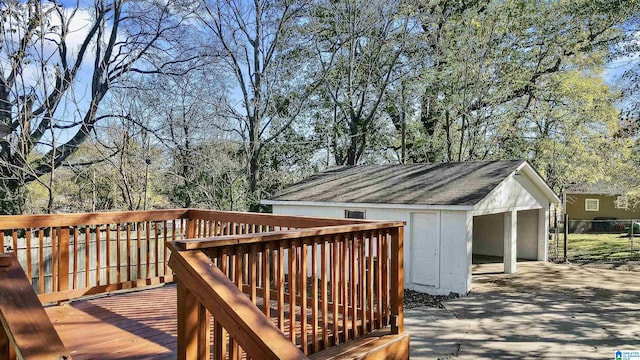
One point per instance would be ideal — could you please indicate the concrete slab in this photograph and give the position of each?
(543, 311)
(435, 333)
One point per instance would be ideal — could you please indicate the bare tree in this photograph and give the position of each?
(180, 114)
(57, 65)
(266, 57)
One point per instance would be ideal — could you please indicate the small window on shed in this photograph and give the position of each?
(622, 202)
(354, 214)
(591, 204)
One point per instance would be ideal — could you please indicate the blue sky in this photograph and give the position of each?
(615, 69)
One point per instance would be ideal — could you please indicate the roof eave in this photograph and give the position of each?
(368, 205)
(602, 193)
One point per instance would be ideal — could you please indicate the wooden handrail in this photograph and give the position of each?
(230, 308)
(8, 222)
(218, 241)
(27, 332)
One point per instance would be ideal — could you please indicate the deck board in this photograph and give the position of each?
(141, 324)
(135, 325)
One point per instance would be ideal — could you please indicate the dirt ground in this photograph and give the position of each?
(543, 311)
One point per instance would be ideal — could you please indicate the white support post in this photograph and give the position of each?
(543, 234)
(469, 222)
(510, 244)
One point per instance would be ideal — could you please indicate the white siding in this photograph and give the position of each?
(455, 259)
(543, 234)
(320, 211)
(371, 214)
(455, 242)
(514, 193)
(528, 234)
(488, 235)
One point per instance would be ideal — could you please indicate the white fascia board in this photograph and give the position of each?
(503, 210)
(539, 182)
(369, 205)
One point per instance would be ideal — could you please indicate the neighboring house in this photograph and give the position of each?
(600, 200)
(452, 210)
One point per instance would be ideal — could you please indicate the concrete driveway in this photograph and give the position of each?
(545, 310)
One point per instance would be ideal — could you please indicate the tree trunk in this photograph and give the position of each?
(254, 172)
(429, 122)
(352, 152)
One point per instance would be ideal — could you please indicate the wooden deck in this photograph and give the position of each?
(326, 282)
(140, 324)
(134, 325)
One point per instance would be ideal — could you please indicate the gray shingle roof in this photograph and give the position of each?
(599, 187)
(462, 183)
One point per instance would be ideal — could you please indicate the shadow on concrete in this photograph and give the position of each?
(548, 310)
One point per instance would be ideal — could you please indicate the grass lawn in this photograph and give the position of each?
(598, 247)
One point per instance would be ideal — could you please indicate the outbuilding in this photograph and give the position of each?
(453, 211)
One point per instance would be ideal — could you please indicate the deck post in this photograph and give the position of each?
(397, 280)
(193, 326)
(5, 346)
(191, 228)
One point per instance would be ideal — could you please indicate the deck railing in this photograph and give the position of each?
(71, 255)
(66, 256)
(317, 287)
(273, 286)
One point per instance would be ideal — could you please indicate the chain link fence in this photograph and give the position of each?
(600, 240)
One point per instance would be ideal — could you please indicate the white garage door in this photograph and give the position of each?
(425, 249)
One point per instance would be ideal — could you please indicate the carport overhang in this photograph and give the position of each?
(524, 189)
